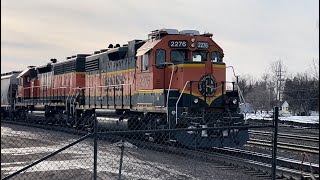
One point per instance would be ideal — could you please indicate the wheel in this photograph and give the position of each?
(4, 114)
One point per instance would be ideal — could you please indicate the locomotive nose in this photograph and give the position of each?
(208, 66)
(207, 85)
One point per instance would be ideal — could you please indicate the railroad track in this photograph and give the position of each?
(257, 164)
(286, 136)
(287, 167)
(253, 163)
(284, 123)
(286, 146)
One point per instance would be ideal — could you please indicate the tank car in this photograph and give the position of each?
(9, 86)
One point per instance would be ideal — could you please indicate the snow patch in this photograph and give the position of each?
(300, 119)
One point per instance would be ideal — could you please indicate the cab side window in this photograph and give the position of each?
(27, 79)
(160, 58)
(145, 62)
(20, 81)
(216, 56)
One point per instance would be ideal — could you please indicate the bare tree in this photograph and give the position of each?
(259, 97)
(278, 70)
(246, 82)
(269, 90)
(315, 68)
(302, 93)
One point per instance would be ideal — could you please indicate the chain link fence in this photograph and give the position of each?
(200, 146)
(44, 148)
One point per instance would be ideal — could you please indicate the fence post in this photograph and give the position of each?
(121, 158)
(95, 148)
(275, 142)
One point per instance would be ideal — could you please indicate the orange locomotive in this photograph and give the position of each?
(174, 79)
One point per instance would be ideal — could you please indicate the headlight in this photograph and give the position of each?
(226, 101)
(173, 112)
(234, 101)
(196, 100)
(225, 133)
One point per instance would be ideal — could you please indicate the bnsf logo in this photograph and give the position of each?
(207, 85)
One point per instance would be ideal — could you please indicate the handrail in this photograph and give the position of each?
(115, 85)
(93, 87)
(100, 87)
(168, 93)
(67, 100)
(73, 97)
(185, 85)
(240, 92)
(169, 88)
(61, 87)
(24, 88)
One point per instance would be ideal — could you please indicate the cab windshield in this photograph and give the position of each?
(178, 56)
(199, 56)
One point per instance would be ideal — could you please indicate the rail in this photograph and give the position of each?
(285, 146)
(287, 136)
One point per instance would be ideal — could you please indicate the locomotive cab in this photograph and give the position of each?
(187, 64)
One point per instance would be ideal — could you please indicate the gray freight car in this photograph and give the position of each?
(9, 87)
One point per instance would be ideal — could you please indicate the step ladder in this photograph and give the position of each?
(70, 103)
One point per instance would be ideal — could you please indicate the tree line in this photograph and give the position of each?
(300, 90)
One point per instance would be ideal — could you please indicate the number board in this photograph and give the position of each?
(203, 45)
(178, 44)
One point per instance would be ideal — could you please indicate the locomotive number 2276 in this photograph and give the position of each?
(178, 44)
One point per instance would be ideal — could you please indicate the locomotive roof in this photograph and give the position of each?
(95, 56)
(24, 71)
(43, 66)
(73, 58)
(10, 73)
(159, 33)
(6, 76)
(147, 46)
(74, 64)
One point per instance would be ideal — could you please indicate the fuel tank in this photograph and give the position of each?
(112, 123)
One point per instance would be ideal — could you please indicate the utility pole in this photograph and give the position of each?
(317, 26)
(280, 79)
(279, 74)
(269, 104)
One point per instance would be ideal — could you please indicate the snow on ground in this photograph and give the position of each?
(300, 119)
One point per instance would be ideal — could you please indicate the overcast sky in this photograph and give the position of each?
(253, 33)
